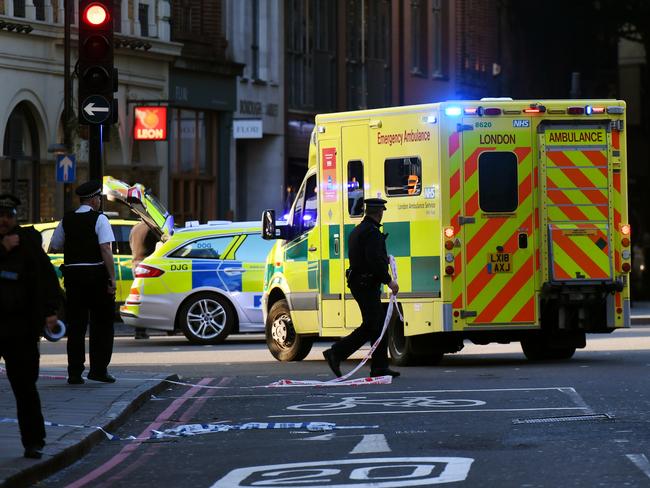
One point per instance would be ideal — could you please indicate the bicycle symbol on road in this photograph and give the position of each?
(404, 402)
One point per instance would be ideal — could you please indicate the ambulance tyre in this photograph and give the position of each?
(534, 350)
(281, 337)
(403, 351)
(206, 318)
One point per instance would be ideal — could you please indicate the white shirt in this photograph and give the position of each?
(103, 230)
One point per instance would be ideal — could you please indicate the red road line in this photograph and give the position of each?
(129, 448)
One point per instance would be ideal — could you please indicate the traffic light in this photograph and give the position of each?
(97, 77)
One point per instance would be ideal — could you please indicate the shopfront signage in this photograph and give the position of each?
(150, 124)
(247, 129)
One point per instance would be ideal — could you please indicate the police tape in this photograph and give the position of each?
(343, 380)
(188, 430)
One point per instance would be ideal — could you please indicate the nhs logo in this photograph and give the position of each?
(521, 123)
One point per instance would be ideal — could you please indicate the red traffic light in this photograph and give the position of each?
(96, 15)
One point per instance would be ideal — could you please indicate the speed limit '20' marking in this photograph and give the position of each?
(347, 473)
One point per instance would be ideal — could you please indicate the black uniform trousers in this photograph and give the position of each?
(22, 358)
(88, 303)
(372, 314)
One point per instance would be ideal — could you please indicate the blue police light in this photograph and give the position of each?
(589, 110)
(453, 111)
(285, 217)
(306, 217)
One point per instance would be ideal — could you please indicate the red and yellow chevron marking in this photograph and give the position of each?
(499, 297)
(580, 252)
(455, 206)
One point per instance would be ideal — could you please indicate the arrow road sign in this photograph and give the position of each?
(96, 109)
(66, 165)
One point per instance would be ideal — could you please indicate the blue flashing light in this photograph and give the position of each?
(285, 217)
(589, 110)
(306, 217)
(453, 111)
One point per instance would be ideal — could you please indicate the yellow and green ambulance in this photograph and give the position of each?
(508, 221)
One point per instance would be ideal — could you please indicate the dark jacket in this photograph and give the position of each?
(367, 252)
(29, 288)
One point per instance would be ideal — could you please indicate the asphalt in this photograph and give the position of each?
(93, 405)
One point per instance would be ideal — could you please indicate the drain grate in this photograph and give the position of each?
(569, 418)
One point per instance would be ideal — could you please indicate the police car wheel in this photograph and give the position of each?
(206, 318)
(281, 337)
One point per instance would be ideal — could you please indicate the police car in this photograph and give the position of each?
(205, 280)
(140, 202)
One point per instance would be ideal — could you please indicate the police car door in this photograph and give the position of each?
(497, 225)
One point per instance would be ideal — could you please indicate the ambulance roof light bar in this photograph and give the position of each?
(453, 111)
(535, 108)
(615, 110)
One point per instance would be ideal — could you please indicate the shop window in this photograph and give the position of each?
(355, 188)
(403, 176)
(143, 17)
(497, 181)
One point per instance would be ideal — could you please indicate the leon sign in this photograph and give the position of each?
(150, 124)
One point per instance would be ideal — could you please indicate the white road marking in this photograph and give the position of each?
(641, 462)
(563, 389)
(371, 443)
(410, 412)
(352, 473)
(324, 437)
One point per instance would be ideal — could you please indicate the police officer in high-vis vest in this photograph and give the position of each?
(29, 298)
(368, 271)
(86, 238)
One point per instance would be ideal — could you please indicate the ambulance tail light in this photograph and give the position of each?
(471, 110)
(449, 245)
(449, 232)
(625, 242)
(594, 110)
(449, 270)
(626, 229)
(146, 271)
(626, 267)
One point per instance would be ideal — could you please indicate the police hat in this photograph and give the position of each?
(9, 202)
(375, 202)
(89, 189)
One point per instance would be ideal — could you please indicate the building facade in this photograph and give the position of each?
(202, 103)
(256, 40)
(32, 99)
(357, 54)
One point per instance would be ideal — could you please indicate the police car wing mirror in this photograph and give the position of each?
(268, 225)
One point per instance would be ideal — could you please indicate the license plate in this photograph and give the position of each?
(499, 262)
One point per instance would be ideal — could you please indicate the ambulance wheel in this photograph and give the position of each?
(281, 337)
(534, 350)
(206, 318)
(403, 349)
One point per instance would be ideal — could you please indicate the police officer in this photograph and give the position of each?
(368, 270)
(29, 298)
(86, 238)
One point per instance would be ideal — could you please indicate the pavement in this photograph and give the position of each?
(96, 405)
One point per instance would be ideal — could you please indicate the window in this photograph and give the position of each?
(355, 188)
(440, 39)
(143, 17)
(403, 176)
(19, 8)
(305, 210)
(419, 36)
(497, 181)
(39, 6)
(121, 245)
(255, 44)
(209, 248)
(253, 249)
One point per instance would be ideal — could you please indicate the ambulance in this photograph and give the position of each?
(507, 219)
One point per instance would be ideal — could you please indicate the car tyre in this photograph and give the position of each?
(206, 318)
(281, 337)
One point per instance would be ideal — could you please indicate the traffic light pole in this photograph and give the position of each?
(95, 152)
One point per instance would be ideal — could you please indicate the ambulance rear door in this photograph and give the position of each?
(575, 191)
(497, 225)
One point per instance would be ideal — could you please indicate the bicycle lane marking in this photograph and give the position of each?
(163, 417)
(370, 403)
